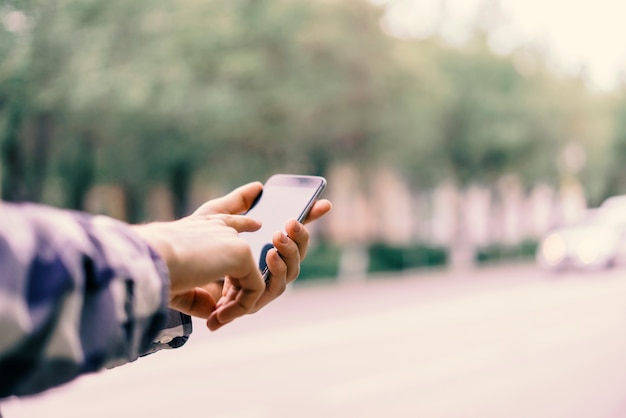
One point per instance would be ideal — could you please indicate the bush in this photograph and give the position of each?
(385, 257)
(499, 252)
(322, 261)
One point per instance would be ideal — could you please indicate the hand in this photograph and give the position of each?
(283, 261)
(205, 248)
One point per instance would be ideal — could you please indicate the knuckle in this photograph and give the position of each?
(281, 288)
(241, 249)
(215, 220)
(294, 273)
(282, 269)
(302, 232)
(224, 217)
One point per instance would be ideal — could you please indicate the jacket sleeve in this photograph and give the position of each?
(78, 293)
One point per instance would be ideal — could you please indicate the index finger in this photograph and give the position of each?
(319, 209)
(239, 223)
(240, 299)
(236, 202)
(240, 302)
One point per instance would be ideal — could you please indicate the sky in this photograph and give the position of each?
(575, 33)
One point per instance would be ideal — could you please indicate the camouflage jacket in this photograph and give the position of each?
(78, 293)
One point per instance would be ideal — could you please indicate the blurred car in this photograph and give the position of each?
(595, 242)
(615, 202)
(613, 211)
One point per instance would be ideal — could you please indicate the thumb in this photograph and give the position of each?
(197, 302)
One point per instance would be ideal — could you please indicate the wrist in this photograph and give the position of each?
(158, 242)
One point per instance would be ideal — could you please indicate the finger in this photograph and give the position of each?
(231, 310)
(240, 223)
(215, 289)
(226, 288)
(299, 234)
(240, 299)
(320, 208)
(197, 302)
(277, 282)
(236, 202)
(289, 252)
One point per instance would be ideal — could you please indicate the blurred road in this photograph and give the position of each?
(497, 342)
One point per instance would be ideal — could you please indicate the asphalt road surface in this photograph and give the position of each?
(500, 342)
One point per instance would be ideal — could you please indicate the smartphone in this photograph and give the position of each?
(284, 196)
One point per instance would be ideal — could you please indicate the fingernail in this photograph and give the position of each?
(283, 238)
(297, 227)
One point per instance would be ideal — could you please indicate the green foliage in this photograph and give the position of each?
(322, 262)
(485, 128)
(384, 257)
(616, 174)
(503, 253)
(145, 92)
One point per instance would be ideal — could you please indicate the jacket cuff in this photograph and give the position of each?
(174, 334)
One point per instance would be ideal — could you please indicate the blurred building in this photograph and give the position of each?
(382, 208)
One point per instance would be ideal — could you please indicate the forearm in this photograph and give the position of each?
(77, 294)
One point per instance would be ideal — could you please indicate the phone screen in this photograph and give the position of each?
(283, 197)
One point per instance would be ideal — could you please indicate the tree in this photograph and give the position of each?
(29, 98)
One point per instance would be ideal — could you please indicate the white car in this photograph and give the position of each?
(595, 242)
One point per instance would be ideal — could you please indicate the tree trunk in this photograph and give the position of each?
(132, 203)
(180, 184)
(83, 174)
(13, 172)
(462, 248)
(41, 150)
